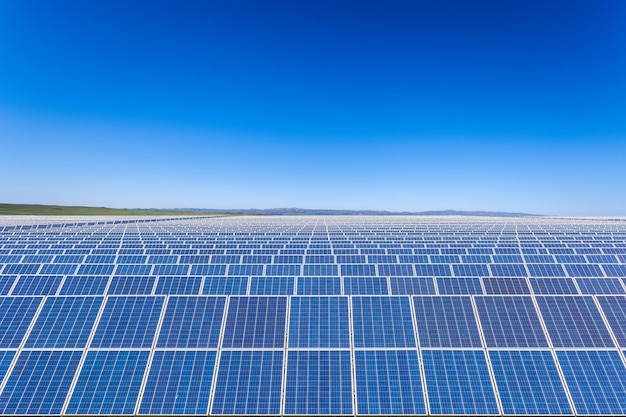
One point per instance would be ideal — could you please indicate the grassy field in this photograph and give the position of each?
(46, 210)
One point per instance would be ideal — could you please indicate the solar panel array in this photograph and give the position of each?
(313, 315)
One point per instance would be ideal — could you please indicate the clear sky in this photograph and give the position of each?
(413, 105)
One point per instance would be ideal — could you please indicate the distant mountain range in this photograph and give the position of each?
(328, 212)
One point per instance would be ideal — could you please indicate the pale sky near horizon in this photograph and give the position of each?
(500, 106)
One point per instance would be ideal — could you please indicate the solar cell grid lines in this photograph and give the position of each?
(313, 316)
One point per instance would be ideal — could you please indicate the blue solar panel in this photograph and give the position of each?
(459, 286)
(37, 285)
(248, 382)
(16, 314)
(179, 382)
(395, 270)
(133, 269)
(583, 270)
(365, 286)
(109, 382)
(271, 286)
(614, 309)
(446, 322)
(39, 382)
(600, 285)
(249, 269)
(388, 382)
(529, 383)
(508, 270)
(614, 270)
(255, 322)
(58, 269)
(208, 270)
(131, 285)
(317, 322)
(95, 269)
(510, 322)
(283, 270)
(439, 270)
(458, 382)
(64, 322)
(574, 321)
(19, 269)
(6, 283)
(319, 286)
(170, 269)
(511, 285)
(178, 285)
(84, 285)
(412, 286)
(352, 270)
(320, 270)
(225, 286)
(318, 382)
(553, 286)
(596, 381)
(192, 322)
(470, 270)
(128, 322)
(545, 270)
(6, 358)
(382, 322)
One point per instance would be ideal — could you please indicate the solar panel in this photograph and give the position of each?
(553, 286)
(179, 382)
(510, 322)
(614, 309)
(511, 285)
(318, 382)
(6, 283)
(596, 380)
(192, 322)
(351, 270)
(382, 322)
(16, 314)
(317, 322)
(109, 382)
(458, 382)
(470, 270)
(248, 382)
(128, 322)
(508, 270)
(64, 322)
(37, 285)
(39, 382)
(271, 286)
(574, 321)
(365, 286)
(528, 383)
(255, 322)
(395, 270)
(459, 286)
(583, 270)
(319, 286)
(545, 270)
(178, 285)
(412, 286)
(600, 286)
(131, 285)
(446, 322)
(225, 286)
(388, 382)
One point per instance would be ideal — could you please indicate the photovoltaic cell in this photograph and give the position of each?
(64, 322)
(320, 270)
(109, 382)
(192, 322)
(446, 322)
(596, 381)
(255, 322)
(6, 282)
(528, 383)
(510, 322)
(248, 382)
(178, 285)
(388, 382)
(458, 382)
(395, 270)
(600, 285)
(508, 270)
(573, 321)
(382, 322)
(556, 286)
(545, 270)
(37, 285)
(351, 270)
(128, 322)
(511, 285)
(131, 285)
(271, 286)
(317, 322)
(470, 270)
(16, 314)
(84, 285)
(179, 382)
(39, 382)
(439, 270)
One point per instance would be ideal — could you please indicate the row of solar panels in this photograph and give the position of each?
(30, 285)
(345, 270)
(313, 382)
(313, 322)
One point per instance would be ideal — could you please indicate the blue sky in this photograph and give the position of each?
(508, 106)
